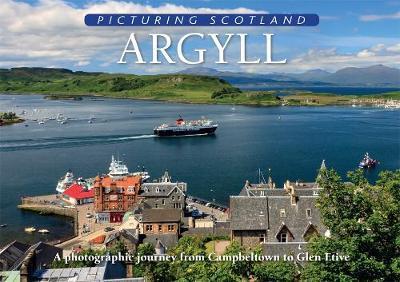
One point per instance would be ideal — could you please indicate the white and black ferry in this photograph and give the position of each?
(186, 128)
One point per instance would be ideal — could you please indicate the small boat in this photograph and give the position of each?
(43, 231)
(367, 162)
(90, 121)
(41, 122)
(3, 225)
(63, 122)
(30, 229)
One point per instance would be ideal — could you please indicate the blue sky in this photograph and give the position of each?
(52, 34)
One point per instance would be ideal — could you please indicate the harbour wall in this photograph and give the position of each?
(44, 205)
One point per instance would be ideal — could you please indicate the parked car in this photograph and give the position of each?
(108, 229)
(197, 213)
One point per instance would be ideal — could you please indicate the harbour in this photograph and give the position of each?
(290, 141)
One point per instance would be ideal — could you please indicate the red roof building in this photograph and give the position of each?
(114, 196)
(77, 194)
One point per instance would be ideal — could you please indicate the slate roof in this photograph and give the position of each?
(130, 234)
(45, 255)
(249, 213)
(105, 271)
(77, 274)
(161, 189)
(167, 240)
(246, 208)
(161, 215)
(295, 219)
(12, 252)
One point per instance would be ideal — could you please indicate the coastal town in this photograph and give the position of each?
(123, 207)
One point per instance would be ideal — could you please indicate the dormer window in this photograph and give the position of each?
(308, 212)
(282, 213)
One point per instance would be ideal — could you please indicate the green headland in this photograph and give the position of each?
(66, 84)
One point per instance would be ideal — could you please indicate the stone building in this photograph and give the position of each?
(161, 221)
(113, 196)
(164, 194)
(281, 220)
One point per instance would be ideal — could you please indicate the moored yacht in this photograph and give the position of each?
(65, 182)
(119, 169)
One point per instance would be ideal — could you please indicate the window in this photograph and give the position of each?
(262, 238)
(163, 201)
(171, 227)
(282, 213)
(315, 193)
(156, 206)
(173, 198)
(149, 227)
(308, 212)
(159, 228)
(179, 197)
(283, 237)
(262, 193)
(157, 190)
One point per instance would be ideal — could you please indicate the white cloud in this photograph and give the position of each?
(370, 18)
(53, 31)
(330, 59)
(394, 48)
(82, 63)
(365, 54)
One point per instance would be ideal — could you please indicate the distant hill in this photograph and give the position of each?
(377, 75)
(64, 83)
(373, 75)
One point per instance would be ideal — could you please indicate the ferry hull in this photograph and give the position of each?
(187, 132)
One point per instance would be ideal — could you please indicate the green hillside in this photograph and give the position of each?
(66, 84)
(62, 83)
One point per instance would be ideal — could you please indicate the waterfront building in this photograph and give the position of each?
(281, 220)
(78, 194)
(115, 195)
(164, 194)
(161, 221)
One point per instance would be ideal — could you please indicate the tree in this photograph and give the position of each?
(364, 221)
(275, 271)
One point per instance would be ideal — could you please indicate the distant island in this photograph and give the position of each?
(179, 87)
(9, 118)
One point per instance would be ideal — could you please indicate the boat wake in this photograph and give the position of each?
(57, 142)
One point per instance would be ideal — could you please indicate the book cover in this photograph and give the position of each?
(199, 140)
